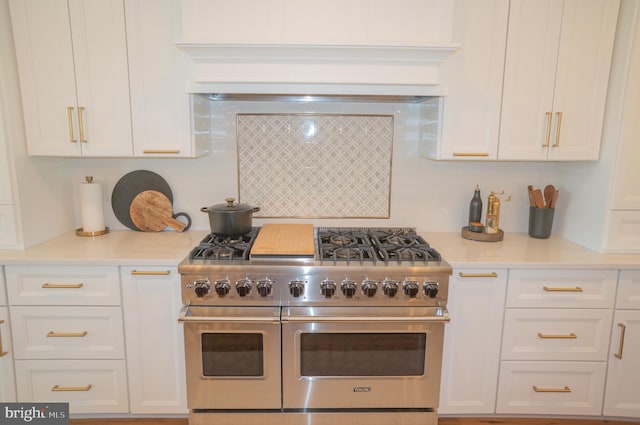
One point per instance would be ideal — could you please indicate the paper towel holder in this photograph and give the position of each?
(80, 231)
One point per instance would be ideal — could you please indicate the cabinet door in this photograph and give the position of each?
(42, 35)
(582, 77)
(556, 76)
(622, 397)
(158, 70)
(72, 59)
(7, 376)
(529, 75)
(154, 340)
(474, 78)
(472, 341)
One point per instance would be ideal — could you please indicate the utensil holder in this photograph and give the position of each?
(540, 222)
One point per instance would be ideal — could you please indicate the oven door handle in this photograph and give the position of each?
(248, 316)
(340, 314)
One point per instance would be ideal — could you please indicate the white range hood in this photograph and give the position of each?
(330, 48)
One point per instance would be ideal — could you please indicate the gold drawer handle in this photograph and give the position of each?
(150, 273)
(623, 328)
(549, 115)
(53, 334)
(471, 154)
(570, 336)
(59, 388)
(62, 286)
(81, 124)
(161, 151)
(552, 390)
(559, 120)
(2, 352)
(492, 274)
(551, 289)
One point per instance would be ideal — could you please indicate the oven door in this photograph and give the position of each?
(351, 358)
(232, 357)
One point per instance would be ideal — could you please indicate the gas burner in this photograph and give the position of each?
(359, 253)
(224, 248)
(342, 240)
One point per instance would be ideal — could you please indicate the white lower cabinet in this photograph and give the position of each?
(7, 376)
(154, 340)
(551, 388)
(89, 386)
(622, 396)
(555, 341)
(68, 337)
(472, 341)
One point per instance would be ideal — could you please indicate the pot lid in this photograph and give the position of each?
(230, 207)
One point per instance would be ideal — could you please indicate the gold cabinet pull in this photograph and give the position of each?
(492, 274)
(471, 154)
(53, 334)
(59, 388)
(559, 119)
(81, 124)
(548, 137)
(552, 289)
(569, 336)
(72, 138)
(623, 328)
(2, 352)
(551, 390)
(161, 151)
(150, 273)
(62, 286)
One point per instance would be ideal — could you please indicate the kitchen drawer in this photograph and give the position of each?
(556, 334)
(89, 386)
(3, 292)
(67, 332)
(629, 290)
(562, 288)
(549, 388)
(42, 285)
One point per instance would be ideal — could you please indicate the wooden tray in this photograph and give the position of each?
(284, 240)
(481, 236)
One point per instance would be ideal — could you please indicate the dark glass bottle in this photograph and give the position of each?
(475, 207)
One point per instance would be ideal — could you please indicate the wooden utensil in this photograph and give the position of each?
(555, 199)
(549, 194)
(537, 198)
(152, 211)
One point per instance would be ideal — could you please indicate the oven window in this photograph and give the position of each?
(362, 354)
(232, 354)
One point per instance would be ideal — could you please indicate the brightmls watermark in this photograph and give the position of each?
(34, 413)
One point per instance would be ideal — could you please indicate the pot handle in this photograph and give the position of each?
(255, 209)
(204, 209)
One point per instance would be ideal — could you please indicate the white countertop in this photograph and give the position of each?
(126, 247)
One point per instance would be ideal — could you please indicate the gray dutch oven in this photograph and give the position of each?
(230, 219)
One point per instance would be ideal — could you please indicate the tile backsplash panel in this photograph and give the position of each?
(315, 165)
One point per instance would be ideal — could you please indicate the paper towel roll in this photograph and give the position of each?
(91, 206)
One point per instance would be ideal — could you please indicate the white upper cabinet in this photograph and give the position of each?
(555, 80)
(158, 70)
(72, 60)
(474, 79)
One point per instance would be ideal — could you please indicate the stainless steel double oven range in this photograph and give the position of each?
(353, 335)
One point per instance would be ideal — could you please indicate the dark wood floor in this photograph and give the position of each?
(442, 421)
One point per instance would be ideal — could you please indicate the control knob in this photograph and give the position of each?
(390, 288)
(296, 288)
(410, 288)
(348, 288)
(222, 287)
(264, 287)
(328, 288)
(243, 287)
(369, 288)
(201, 287)
(431, 289)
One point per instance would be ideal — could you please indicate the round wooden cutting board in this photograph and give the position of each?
(152, 211)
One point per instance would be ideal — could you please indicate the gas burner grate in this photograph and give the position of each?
(225, 248)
